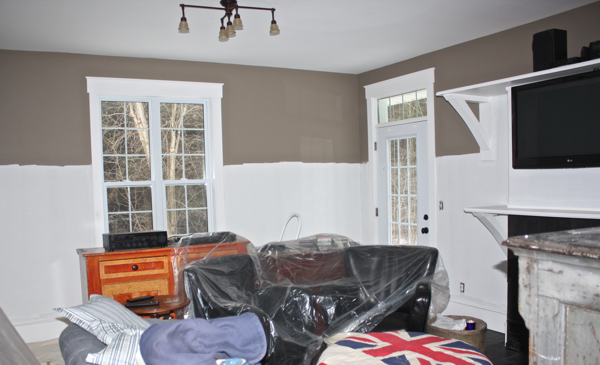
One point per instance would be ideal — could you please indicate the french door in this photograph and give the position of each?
(402, 183)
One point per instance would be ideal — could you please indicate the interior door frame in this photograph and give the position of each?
(415, 81)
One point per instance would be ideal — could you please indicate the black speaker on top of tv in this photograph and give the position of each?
(548, 47)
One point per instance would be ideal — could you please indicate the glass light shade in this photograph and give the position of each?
(237, 22)
(274, 28)
(230, 31)
(183, 25)
(223, 37)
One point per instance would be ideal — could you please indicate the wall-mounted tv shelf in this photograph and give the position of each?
(487, 216)
(484, 130)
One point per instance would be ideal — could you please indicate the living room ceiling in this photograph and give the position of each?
(346, 36)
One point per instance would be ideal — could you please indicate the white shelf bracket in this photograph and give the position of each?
(491, 223)
(483, 129)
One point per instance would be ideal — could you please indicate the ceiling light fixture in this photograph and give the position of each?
(228, 30)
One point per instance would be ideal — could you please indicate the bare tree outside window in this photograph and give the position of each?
(127, 152)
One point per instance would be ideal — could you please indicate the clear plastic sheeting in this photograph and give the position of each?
(309, 289)
(198, 246)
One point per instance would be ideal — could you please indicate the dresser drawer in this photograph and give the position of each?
(123, 291)
(134, 267)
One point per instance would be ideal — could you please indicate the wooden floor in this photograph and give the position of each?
(498, 355)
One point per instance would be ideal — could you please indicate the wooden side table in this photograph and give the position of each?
(169, 306)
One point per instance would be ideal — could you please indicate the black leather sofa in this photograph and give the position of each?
(304, 297)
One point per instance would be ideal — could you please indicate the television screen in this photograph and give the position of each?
(556, 123)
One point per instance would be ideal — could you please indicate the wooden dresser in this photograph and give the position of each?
(128, 274)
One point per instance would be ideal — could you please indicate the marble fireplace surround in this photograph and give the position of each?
(559, 291)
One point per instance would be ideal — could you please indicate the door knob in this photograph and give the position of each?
(425, 217)
(424, 230)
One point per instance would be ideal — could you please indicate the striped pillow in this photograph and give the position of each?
(113, 324)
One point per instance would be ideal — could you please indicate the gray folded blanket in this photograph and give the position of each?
(202, 342)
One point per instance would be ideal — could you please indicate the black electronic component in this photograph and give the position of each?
(134, 240)
(142, 304)
(548, 47)
(140, 299)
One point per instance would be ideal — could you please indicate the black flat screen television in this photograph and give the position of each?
(556, 123)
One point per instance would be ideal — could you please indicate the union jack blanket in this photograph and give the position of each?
(401, 348)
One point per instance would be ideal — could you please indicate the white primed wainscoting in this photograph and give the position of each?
(46, 215)
(259, 198)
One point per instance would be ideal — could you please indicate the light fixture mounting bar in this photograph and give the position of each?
(183, 6)
(229, 6)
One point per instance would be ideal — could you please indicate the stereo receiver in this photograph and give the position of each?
(134, 240)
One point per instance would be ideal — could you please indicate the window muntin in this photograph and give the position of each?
(140, 177)
(403, 106)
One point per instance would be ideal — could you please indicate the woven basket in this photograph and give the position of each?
(474, 337)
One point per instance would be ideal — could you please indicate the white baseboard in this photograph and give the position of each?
(495, 319)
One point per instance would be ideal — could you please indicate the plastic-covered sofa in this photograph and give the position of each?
(305, 291)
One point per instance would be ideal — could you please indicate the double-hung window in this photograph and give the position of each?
(154, 159)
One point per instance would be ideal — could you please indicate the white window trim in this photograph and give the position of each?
(399, 85)
(99, 87)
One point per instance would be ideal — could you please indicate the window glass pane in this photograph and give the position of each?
(118, 199)
(170, 115)
(141, 198)
(118, 223)
(138, 168)
(193, 116)
(198, 221)
(172, 167)
(115, 168)
(141, 222)
(176, 197)
(113, 114)
(404, 106)
(113, 141)
(171, 141)
(194, 141)
(194, 167)
(138, 142)
(177, 222)
(197, 196)
(137, 115)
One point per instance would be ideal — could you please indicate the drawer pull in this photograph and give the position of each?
(134, 267)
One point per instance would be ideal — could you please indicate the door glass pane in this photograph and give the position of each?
(402, 201)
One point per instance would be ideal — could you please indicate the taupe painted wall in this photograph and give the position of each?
(269, 114)
(485, 59)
